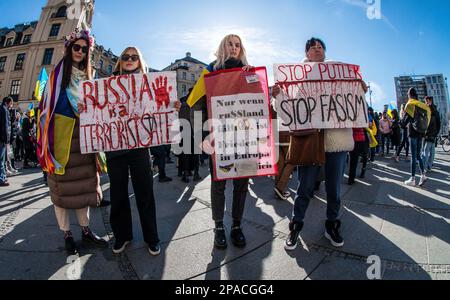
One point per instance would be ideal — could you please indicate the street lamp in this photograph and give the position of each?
(370, 94)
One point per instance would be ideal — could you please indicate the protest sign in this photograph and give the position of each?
(128, 112)
(240, 124)
(320, 96)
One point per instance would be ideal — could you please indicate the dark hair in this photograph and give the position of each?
(7, 100)
(413, 93)
(85, 65)
(431, 99)
(395, 114)
(312, 42)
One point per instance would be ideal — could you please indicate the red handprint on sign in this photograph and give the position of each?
(162, 92)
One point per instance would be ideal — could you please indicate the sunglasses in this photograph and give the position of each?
(77, 48)
(127, 57)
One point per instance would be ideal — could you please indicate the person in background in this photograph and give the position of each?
(396, 131)
(404, 136)
(5, 136)
(429, 149)
(386, 131)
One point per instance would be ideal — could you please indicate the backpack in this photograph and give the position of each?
(420, 121)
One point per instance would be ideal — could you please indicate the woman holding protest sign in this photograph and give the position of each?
(231, 54)
(336, 144)
(73, 178)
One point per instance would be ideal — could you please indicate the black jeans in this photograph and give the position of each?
(404, 144)
(136, 162)
(240, 190)
(160, 154)
(361, 150)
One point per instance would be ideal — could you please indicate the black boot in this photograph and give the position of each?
(185, 178)
(71, 247)
(332, 233)
(292, 240)
(220, 240)
(197, 177)
(237, 237)
(90, 237)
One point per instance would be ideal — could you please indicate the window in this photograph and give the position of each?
(62, 12)
(27, 39)
(48, 55)
(19, 62)
(184, 75)
(9, 42)
(15, 88)
(110, 69)
(183, 89)
(55, 30)
(193, 77)
(2, 63)
(101, 64)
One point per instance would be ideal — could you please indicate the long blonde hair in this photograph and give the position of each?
(222, 55)
(142, 65)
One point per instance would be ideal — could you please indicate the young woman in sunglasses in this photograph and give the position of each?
(137, 163)
(72, 177)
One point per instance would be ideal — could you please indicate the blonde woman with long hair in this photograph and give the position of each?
(230, 54)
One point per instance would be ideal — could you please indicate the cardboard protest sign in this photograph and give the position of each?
(128, 112)
(240, 124)
(321, 96)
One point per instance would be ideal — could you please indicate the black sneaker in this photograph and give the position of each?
(237, 237)
(94, 239)
(120, 246)
(154, 250)
(71, 247)
(220, 240)
(332, 233)
(292, 240)
(197, 177)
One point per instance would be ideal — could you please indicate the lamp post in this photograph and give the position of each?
(370, 94)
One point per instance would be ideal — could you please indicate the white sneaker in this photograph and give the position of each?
(411, 182)
(423, 179)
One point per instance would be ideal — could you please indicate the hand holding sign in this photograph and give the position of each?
(162, 92)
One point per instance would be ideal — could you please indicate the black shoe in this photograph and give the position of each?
(292, 240)
(154, 250)
(220, 240)
(105, 203)
(351, 181)
(237, 237)
(94, 239)
(332, 233)
(165, 179)
(197, 177)
(71, 247)
(317, 186)
(120, 246)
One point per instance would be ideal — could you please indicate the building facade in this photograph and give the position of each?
(426, 85)
(29, 47)
(188, 71)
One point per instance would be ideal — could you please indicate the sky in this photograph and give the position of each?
(407, 37)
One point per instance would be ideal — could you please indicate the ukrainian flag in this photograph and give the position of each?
(40, 84)
(390, 109)
(199, 90)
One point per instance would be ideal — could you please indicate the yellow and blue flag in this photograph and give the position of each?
(199, 90)
(40, 84)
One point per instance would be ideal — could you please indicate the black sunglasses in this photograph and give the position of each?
(77, 48)
(127, 57)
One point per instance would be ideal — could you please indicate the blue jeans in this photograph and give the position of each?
(416, 155)
(429, 152)
(2, 163)
(334, 170)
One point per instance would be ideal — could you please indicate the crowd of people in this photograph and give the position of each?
(52, 141)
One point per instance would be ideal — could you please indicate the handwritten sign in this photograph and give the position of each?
(321, 96)
(128, 112)
(240, 124)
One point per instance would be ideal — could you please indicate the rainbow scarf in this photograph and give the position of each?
(46, 121)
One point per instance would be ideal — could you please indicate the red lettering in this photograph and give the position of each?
(281, 69)
(88, 95)
(145, 88)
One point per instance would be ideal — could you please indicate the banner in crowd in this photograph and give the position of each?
(320, 96)
(240, 124)
(128, 112)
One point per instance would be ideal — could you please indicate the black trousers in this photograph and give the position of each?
(240, 190)
(160, 154)
(136, 163)
(361, 150)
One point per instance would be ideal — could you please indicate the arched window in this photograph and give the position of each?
(62, 12)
